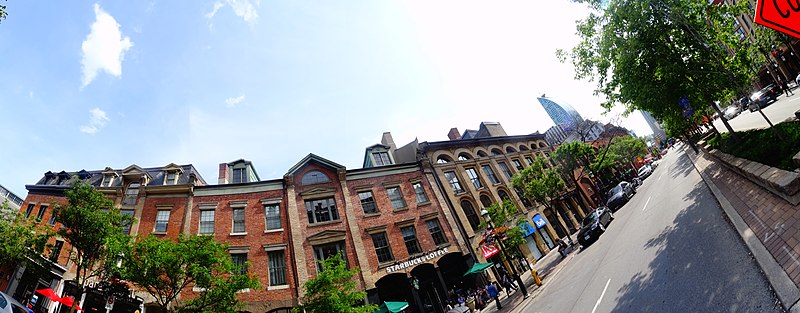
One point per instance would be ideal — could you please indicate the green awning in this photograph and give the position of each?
(478, 268)
(392, 307)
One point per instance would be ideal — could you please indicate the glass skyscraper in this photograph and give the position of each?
(562, 115)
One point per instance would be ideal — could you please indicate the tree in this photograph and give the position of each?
(334, 290)
(3, 13)
(164, 268)
(649, 54)
(93, 227)
(573, 156)
(501, 214)
(21, 239)
(584, 129)
(625, 149)
(539, 182)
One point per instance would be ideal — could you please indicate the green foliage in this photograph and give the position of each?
(647, 54)
(763, 145)
(501, 214)
(334, 290)
(625, 149)
(3, 13)
(91, 225)
(573, 156)
(21, 238)
(539, 182)
(164, 268)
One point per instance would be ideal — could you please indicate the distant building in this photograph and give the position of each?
(563, 114)
(14, 201)
(658, 133)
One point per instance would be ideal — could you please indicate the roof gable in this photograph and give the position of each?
(313, 158)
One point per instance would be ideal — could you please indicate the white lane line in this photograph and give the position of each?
(601, 296)
(645, 204)
(659, 177)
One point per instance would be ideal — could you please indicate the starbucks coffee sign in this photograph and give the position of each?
(418, 260)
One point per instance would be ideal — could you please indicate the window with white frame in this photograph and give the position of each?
(162, 220)
(422, 197)
(273, 216)
(107, 181)
(396, 197)
(518, 164)
(206, 222)
(238, 220)
(171, 178)
(452, 179)
(505, 169)
(277, 268)
(131, 193)
(381, 158)
(368, 202)
(473, 177)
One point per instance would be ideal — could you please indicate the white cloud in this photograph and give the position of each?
(246, 9)
(234, 101)
(97, 120)
(104, 48)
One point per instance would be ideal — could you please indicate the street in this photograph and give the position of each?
(670, 249)
(777, 112)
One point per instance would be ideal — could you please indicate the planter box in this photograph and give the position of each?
(783, 183)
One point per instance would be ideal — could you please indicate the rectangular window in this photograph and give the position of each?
(277, 268)
(490, 173)
(240, 261)
(473, 177)
(368, 202)
(131, 194)
(410, 238)
(381, 158)
(420, 191)
(207, 221)
(436, 232)
(273, 214)
(382, 248)
(454, 183)
(325, 251)
(126, 226)
(321, 210)
(172, 178)
(518, 164)
(505, 169)
(29, 210)
(529, 160)
(396, 197)
(107, 180)
(521, 194)
(52, 220)
(162, 219)
(42, 209)
(56, 251)
(238, 220)
(239, 175)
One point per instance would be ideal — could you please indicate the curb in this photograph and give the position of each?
(787, 291)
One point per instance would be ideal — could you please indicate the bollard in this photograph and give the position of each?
(536, 278)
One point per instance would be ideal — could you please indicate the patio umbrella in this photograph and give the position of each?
(478, 268)
(68, 301)
(392, 307)
(49, 293)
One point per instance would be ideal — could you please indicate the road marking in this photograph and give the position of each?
(601, 296)
(791, 255)
(659, 177)
(645, 204)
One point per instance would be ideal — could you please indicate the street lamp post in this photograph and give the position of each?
(499, 241)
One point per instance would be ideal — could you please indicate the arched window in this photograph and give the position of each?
(523, 148)
(463, 156)
(485, 201)
(131, 194)
(510, 150)
(482, 154)
(442, 159)
(471, 214)
(533, 146)
(503, 195)
(496, 151)
(542, 145)
(314, 177)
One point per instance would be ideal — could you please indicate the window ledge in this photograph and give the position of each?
(372, 214)
(238, 234)
(426, 203)
(278, 287)
(386, 264)
(205, 234)
(497, 184)
(159, 233)
(267, 231)
(400, 209)
(446, 244)
(325, 223)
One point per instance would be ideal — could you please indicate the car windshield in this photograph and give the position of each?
(614, 191)
(590, 219)
(642, 170)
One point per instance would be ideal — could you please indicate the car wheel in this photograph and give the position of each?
(602, 228)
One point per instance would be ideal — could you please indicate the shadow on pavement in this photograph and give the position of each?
(700, 264)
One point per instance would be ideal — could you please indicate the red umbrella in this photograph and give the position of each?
(68, 301)
(49, 293)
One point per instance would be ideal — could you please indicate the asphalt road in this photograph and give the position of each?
(670, 249)
(777, 112)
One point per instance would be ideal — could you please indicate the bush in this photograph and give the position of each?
(763, 145)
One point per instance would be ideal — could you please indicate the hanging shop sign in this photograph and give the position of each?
(783, 16)
(527, 229)
(539, 221)
(489, 250)
(417, 260)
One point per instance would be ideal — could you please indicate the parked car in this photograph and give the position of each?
(744, 103)
(9, 305)
(732, 111)
(619, 195)
(763, 97)
(644, 172)
(594, 225)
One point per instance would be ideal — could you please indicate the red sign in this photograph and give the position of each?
(489, 250)
(780, 15)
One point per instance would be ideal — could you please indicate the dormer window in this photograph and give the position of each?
(239, 174)
(171, 177)
(107, 181)
(381, 158)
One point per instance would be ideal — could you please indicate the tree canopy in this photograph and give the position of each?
(539, 181)
(334, 290)
(21, 238)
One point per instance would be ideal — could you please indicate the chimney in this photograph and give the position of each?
(223, 174)
(387, 139)
(454, 134)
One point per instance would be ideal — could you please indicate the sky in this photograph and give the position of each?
(95, 84)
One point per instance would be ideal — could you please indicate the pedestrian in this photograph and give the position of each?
(785, 86)
(562, 249)
(494, 294)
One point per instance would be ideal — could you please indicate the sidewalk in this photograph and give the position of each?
(769, 225)
(547, 267)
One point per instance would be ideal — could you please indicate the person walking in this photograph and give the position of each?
(784, 85)
(492, 291)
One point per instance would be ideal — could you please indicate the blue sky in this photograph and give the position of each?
(90, 84)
